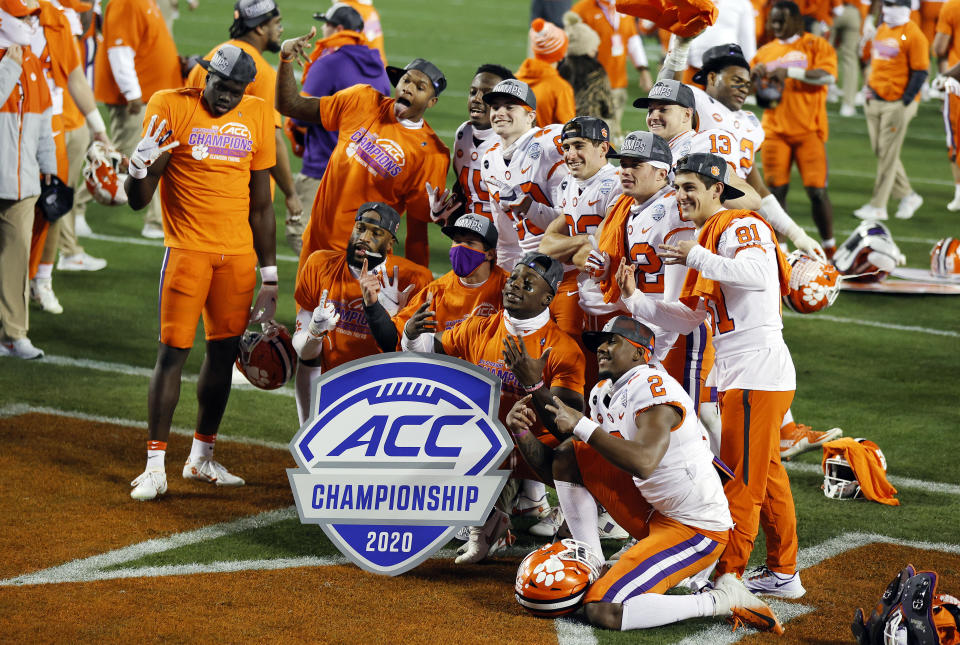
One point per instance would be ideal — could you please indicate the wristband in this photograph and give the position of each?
(796, 73)
(95, 121)
(532, 388)
(268, 274)
(136, 171)
(285, 59)
(584, 429)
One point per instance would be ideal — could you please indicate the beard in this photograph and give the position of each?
(273, 46)
(374, 258)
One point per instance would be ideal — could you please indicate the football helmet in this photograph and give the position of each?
(101, 174)
(553, 580)
(840, 480)
(813, 285)
(945, 257)
(267, 358)
(869, 254)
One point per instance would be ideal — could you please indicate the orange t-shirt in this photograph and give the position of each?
(555, 101)
(803, 107)
(205, 189)
(377, 159)
(372, 28)
(58, 58)
(949, 24)
(479, 340)
(894, 52)
(612, 53)
(136, 24)
(264, 85)
(328, 270)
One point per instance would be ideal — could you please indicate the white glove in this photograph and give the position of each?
(597, 264)
(807, 244)
(442, 205)
(952, 86)
(392, 299)
(325, 317)
(265, 306)
(869, 29)
(150, 148)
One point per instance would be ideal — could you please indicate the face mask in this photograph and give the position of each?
(16, 31)
(896, 16)
(466, 260)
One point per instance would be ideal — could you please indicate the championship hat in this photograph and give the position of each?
(432, 71)
(668, 91)
(512, 88)
(389, 218)
(548, 268)
(718, 58)
(341, 15)
(253, 13)
(232, 63)
(712, 167)
(476, 224)
(634, 331)
(588, 127)
(645, 146)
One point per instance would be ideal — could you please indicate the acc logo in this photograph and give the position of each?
(393, 149)
(399, 452)
(235, 130)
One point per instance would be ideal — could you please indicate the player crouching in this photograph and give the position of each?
(642, 455)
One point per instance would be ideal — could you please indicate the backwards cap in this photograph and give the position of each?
(433, 72)
(634, 331)
(546, 267)
(711, 167)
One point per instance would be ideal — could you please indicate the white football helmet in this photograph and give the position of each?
(945, 258)
(839, 479)
(101, 174)
(869, 254)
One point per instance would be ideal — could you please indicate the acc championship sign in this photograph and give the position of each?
(399, 452)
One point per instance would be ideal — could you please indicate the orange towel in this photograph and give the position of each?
(868, 465)
(685, 18)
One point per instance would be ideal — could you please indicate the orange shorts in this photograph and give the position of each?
(614, 489)
(809, 153)
(690, 360)
(219, 286)
(670, 552)
(951, 124)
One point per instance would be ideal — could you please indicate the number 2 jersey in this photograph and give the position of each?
(470, 145)
(685, 486)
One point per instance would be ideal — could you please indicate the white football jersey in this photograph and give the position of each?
(739, 134)
(469, 146)
(585, 203)
(680, 145)
(685, 486)
(536, 169)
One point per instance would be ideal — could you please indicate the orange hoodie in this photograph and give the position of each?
(555, 102)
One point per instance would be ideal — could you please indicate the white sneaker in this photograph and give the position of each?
(80, 226)
(20, 348)
(609, 529)
(152, 231)
(627, 545)
(523, 505)
(149, 485)
(848, 110)
(954, 206)
(482, 538)
(870, 212)
(80, 262)
(462, 534)
(210, 472)
(833, 93)
(732, 599)
(549, 524)
(908, 206)
(41, 292)
(860, 98)
(770, 583)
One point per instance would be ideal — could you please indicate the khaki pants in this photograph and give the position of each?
(16, 225)
(127, 130)
(168, 9)
(619, 95)
(77, 142)
(846, 39)
(306, 188)
(887, 123)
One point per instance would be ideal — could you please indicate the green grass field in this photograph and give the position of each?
(882, 367)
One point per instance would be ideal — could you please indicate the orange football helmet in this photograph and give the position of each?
(101, 174)
(813, 285)
(553, 580)
(267, 358)
(945, 257)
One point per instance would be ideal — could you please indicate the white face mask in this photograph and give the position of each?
(16, 31)
(896, 16)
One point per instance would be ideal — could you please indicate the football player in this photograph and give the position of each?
(522, 171)
(640, 432)
(737, 274)
(218, 225)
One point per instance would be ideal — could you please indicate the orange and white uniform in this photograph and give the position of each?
(679, 514)
(796, 129)
(205, 196)
(469, 146)
(328, 270)
(741, 133)
(372, 28)
(949, 24)
(453, 301)
(535, 168)
(555, 101)
(377, 159)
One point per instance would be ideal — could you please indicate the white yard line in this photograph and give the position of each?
(819, 317)
(899, 482)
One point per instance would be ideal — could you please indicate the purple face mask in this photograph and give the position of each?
(465, 260)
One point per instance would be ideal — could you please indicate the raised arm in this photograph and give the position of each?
(289, 100)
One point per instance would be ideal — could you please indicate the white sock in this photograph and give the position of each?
(304, 376)
(44, 271)
(788, 417)
(710, 419)
(956, 191)
(653, 609)
(533, 489)
(202, 448)
(155, 459)
(580, 510)
(830, 241)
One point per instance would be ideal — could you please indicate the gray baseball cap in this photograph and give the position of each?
(645, 146)
(254, 12)
(634, 331)
(547, 267)
(341, 15)
(433, 72)
(476, 224)
(512, 88)
(668, 91)
(389, 218)
(232, 63)
(711, 167)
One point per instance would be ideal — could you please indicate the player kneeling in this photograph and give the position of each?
(641, 454)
